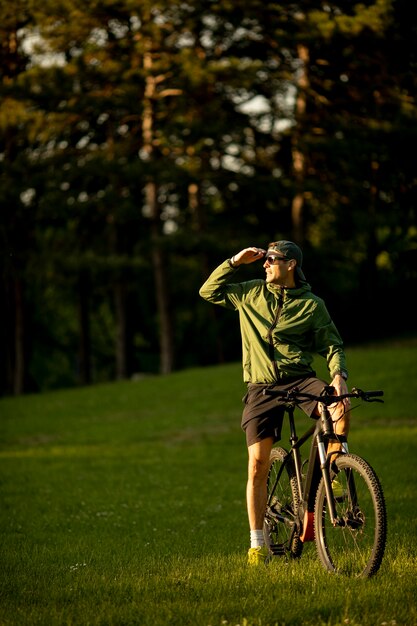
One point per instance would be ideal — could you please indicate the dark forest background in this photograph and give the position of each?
(142, 143)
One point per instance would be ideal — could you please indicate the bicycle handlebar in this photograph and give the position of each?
(326, 396)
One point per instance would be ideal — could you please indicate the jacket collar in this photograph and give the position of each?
(288, 292)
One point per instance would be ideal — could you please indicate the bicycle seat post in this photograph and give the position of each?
(327, 433)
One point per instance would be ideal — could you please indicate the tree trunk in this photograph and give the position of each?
(297, 209)
(158, 256)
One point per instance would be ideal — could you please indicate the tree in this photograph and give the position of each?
(17, 125)
(141, 143)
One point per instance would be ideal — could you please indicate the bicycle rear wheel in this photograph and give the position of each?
(281, 525)
(355, 546)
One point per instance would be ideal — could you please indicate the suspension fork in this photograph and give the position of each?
(322, 436)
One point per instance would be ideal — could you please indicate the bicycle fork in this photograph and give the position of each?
(324, 466)
(325, 459)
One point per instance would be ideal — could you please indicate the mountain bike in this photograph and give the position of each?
(333, 499)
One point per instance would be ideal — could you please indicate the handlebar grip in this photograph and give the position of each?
(372, 394)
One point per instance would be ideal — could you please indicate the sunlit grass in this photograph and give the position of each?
(124, 504)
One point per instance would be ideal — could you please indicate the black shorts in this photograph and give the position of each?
(263, 414)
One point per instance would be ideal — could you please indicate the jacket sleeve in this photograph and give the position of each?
(219, 289)
(328, 342)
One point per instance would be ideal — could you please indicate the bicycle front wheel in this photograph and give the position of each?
(281, 528)
(355, 545)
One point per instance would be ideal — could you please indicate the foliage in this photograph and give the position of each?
(216, 105)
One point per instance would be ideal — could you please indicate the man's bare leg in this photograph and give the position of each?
(256, 494)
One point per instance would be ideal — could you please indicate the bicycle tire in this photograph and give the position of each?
(355, 548)
(281, 528)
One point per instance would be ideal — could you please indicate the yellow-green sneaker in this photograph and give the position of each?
(258, 556)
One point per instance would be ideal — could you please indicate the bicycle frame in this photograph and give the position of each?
(318, 465)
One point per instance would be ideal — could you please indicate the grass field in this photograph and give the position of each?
(124, 504)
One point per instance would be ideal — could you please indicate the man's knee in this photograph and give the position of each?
(257, 468)
(258, 464)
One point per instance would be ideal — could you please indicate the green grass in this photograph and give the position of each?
(125, 504)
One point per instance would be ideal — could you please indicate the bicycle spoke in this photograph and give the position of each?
(280, 527)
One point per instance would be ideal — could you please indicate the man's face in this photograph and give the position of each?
(277, 268)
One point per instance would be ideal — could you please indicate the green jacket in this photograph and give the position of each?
(282, 329)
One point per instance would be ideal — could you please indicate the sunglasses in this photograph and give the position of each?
(271, 258)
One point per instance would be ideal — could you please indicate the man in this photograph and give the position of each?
(283, 325)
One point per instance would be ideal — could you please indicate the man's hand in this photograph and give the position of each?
(341, 387)
(247, 255)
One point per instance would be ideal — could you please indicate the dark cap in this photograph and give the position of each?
(291, 251)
